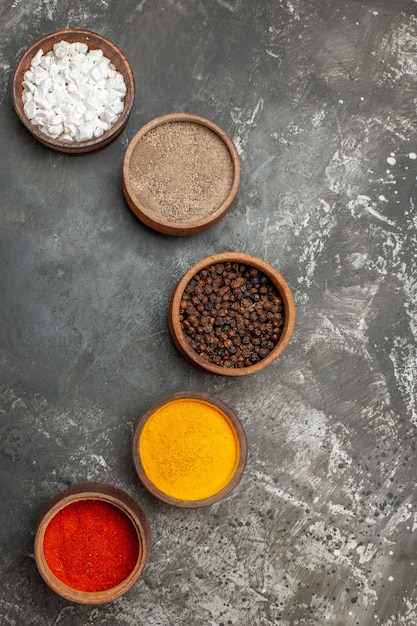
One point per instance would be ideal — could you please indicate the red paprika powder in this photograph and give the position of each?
(91, 545)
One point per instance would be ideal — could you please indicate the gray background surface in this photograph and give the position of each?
(317, 95)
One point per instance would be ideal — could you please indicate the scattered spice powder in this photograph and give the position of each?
(181, 171)
(189, 449)
(231, 314)
(91, 545)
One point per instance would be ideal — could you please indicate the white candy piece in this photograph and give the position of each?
(73, 93)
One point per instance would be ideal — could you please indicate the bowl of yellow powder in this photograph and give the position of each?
(189, 449)
(181, 173)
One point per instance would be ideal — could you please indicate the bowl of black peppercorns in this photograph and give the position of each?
(231, 314)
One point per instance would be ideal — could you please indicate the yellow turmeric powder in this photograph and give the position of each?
(189, 449)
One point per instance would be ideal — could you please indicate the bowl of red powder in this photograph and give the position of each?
(181, 173)
(92, 542)
(232, 314)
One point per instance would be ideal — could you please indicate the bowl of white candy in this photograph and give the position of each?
(73, 90)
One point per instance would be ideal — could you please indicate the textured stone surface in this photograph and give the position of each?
(320, 99)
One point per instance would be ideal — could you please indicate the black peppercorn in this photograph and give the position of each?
(231, 314)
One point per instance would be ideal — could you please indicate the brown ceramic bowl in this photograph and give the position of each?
(110, 495)
(94, 42)
(175, 314)
(154, 421)
(181, 173)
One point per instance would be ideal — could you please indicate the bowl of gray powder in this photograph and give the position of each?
(73, 90)
(181, 174)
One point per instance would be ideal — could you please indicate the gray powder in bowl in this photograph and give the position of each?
(181, 171)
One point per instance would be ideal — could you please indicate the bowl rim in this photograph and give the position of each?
(236, 425)
(110, 50)
(158, 223)
(281, 285)
(104, 493)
